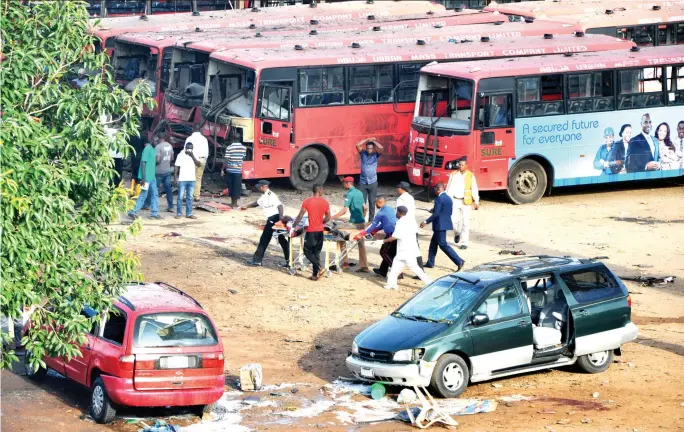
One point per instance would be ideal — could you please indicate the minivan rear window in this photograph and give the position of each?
(177, 329)
(593, 285)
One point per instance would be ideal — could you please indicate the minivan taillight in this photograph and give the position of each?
(629, 301)
(212, 360)
(127, 363)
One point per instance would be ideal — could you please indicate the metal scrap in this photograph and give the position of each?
(511, 252)
(650, 280)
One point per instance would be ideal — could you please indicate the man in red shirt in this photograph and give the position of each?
(318, 211)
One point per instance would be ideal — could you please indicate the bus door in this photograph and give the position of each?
(494, 138)
(274, 128)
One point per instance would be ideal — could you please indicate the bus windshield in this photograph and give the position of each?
(230, 89)
(442, 98)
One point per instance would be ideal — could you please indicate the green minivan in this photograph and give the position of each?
(502, 318)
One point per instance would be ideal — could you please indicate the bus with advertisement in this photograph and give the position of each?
(106, 29)
(300, 111)
(646, 23)
(151, 52)
(559, 121)
(191, 56)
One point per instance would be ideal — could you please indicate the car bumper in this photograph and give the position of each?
(629, 333)
(122, 392)
(393, 374)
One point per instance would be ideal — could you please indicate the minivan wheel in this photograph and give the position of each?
(450, 377)
(101, 408)
(38, 375)
(596, 362)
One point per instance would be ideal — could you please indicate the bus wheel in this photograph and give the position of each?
(527, 182)
(310, 167)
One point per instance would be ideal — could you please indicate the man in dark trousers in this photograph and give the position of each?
(441, 223)
(385, 220)
(318, 210)
(369, 152)
(273, 210)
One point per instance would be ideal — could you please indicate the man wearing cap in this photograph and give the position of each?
(441, 223)
(404, 235)
(81, 80)
(610, 157)
(355, 204)
(369, 151)
(273, 210)
(462, 189)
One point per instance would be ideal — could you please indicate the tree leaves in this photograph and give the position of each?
(59, 250)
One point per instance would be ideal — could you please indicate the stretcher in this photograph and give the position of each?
(334, 253)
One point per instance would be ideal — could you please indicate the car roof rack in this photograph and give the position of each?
(525, 263)
(179, 291)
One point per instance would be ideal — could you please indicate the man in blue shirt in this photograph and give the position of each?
(384, 220)
(369, 150)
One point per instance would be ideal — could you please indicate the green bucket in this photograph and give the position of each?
(378, 391)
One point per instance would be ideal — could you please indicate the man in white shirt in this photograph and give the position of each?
(462, 188)
(186, 163)
(405, 199)
(404, 234)
(201, 150)
(273, 211)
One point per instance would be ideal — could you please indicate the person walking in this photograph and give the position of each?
(354, 203)
(405, 199)
(148, 182)
(273, 211)
(462, 188)
(186, 165)
(369, 151)
(441, 223)
(385, 220)
(405, 233)
(318, 211)
(200, 147)
(235, 156)
(164, 169)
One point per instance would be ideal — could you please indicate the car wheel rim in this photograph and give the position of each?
(598, 359)
(309, 170)
(98, 400)
(527, 182)
(452, 377)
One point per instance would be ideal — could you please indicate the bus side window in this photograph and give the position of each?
(679, 34)
(675, 85)
(321, 86)
(540, 96)
(371, 84)
(641, 35)
(496, 111)
(590, 92)
(275, 103)
(640, 88)
(408, 74)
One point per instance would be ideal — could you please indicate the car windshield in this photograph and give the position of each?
(177, 329)
(443, 301)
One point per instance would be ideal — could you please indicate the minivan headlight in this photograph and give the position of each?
(355, 348)
(408, 355)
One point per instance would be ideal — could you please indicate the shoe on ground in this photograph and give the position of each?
(254, 263)
(132, 215)
(170, 210)
(464, 247)
(284, 265)
(145, 208)
(457, 238)
(363, 270)
(379, 273)
(401, 276)
(460, 266)
(416, 278)
(191, 217)
(178, 216)
(157, 217)
(387, 287)
(429, 266)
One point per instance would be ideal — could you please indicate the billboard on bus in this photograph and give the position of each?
(602, 147)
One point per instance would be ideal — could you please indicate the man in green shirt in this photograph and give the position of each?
(148, 181)
(354, 203)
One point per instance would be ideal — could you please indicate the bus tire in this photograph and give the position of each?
(310, 167)
(527, 182)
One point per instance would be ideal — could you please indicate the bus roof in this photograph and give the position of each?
(552, 8)
(221, 40)
(283, 15)
(651, 56)
(259, 58)
(624, 17)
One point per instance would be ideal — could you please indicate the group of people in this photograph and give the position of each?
(641, 152)
(396, 227)
(159, 168)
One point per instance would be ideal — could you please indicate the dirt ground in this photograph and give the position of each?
(301, 331)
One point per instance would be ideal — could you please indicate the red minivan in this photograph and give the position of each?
(157, 347)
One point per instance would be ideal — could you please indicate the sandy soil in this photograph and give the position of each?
(259, 310)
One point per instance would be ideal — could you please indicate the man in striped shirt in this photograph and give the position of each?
(235, 155)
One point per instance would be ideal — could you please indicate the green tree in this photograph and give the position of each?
(61, 246)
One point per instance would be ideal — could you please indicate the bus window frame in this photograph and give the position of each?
(568, 99)
(299, 93)
(619, 94)
(261, 88)
(376, 89)
(564, 96)
(476, 115)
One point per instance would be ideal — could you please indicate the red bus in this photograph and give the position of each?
(558, 121)
(191, 56)
(108, 28)
(645, 23)
(152, 51)
(301, 111)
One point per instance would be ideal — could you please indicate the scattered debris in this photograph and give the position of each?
(314, 410)
(596, 395)
(497, 385)
(213, 206)
(563, 421)
(515, 398)
(293, 340)
(294, 390)
(586, 421)
(511, 252)
(251, 400)
(650, 280)
(546, 412)
(605, 383)
(632, 365)
(160, 426)
(643, 265)
(233, 291)
(168, 234)
(251, 377)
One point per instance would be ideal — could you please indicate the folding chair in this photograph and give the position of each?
(430, 413)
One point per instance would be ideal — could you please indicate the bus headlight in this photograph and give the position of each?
(451, 165)
(410, 157)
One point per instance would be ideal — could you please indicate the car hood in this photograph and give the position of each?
(394, 334)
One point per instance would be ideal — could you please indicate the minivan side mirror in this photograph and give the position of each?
(479, 319)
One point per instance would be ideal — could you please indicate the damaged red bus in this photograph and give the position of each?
(300, 111)
(551, 122)
(191, 56)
